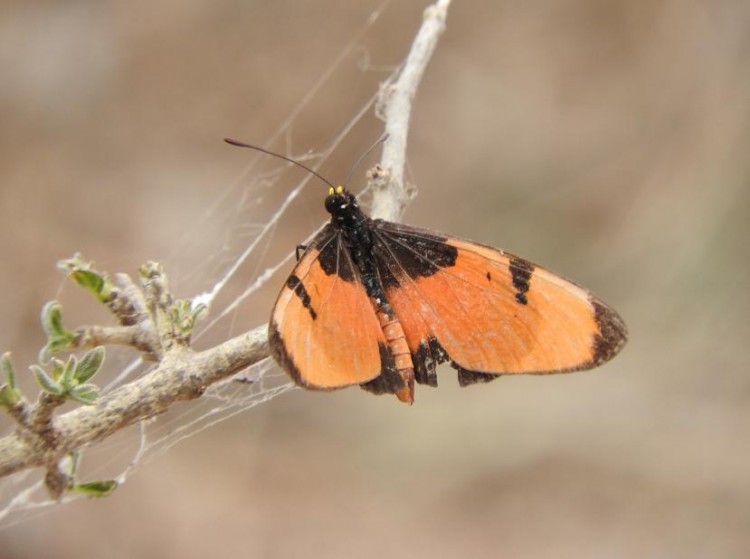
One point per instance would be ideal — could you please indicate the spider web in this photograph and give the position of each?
(246, 216)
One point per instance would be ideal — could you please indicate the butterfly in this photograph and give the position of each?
(382, 304)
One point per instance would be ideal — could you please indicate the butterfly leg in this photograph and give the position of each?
(299, 251)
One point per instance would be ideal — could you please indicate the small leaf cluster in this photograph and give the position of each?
(69, 379)
(183, 314)
(149, 319)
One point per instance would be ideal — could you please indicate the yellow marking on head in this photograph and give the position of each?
(339, 189)
(330, 191)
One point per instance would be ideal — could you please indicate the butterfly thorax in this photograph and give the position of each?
(355, 229)
(344, 210)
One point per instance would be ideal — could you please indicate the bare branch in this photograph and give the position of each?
(391, 195)
(146, 322)
(133, 336)
(181, 375)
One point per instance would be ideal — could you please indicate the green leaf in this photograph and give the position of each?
(184, 314)
(84, 393)
(52, 318)
(9, 396)
(94, 282)
(44, 354)
(8, 372)
(46, 382)
(195, 310)
(100, 488)
(89, 364)
(57, 336)
(58, 367)
(83, 273)
(88, 279)
(67, 378)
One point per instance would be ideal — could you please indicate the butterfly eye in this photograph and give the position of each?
(330, 202)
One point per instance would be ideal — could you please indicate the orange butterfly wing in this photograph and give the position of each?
(487, 311)
(323, 330)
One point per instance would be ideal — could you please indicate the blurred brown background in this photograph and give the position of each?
(606, 140)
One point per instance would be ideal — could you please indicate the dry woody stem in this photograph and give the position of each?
(146, 316)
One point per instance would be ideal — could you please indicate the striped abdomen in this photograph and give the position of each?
(396, 340)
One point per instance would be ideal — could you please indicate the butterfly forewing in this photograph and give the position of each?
(489, 311)
(323, 330)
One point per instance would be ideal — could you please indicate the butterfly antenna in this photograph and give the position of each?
(380, 140)
(284, 157)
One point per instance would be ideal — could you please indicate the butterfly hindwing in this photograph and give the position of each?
(487, 311)
(323, 330)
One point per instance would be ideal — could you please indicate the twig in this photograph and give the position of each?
(141, 339)
(181, 373)
(390, 195)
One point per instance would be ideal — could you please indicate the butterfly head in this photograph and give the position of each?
(341, 203)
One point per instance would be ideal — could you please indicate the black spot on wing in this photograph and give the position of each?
(296, 285)
(521, 271)
(389, 381)
(401, 250)
(612, 333)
